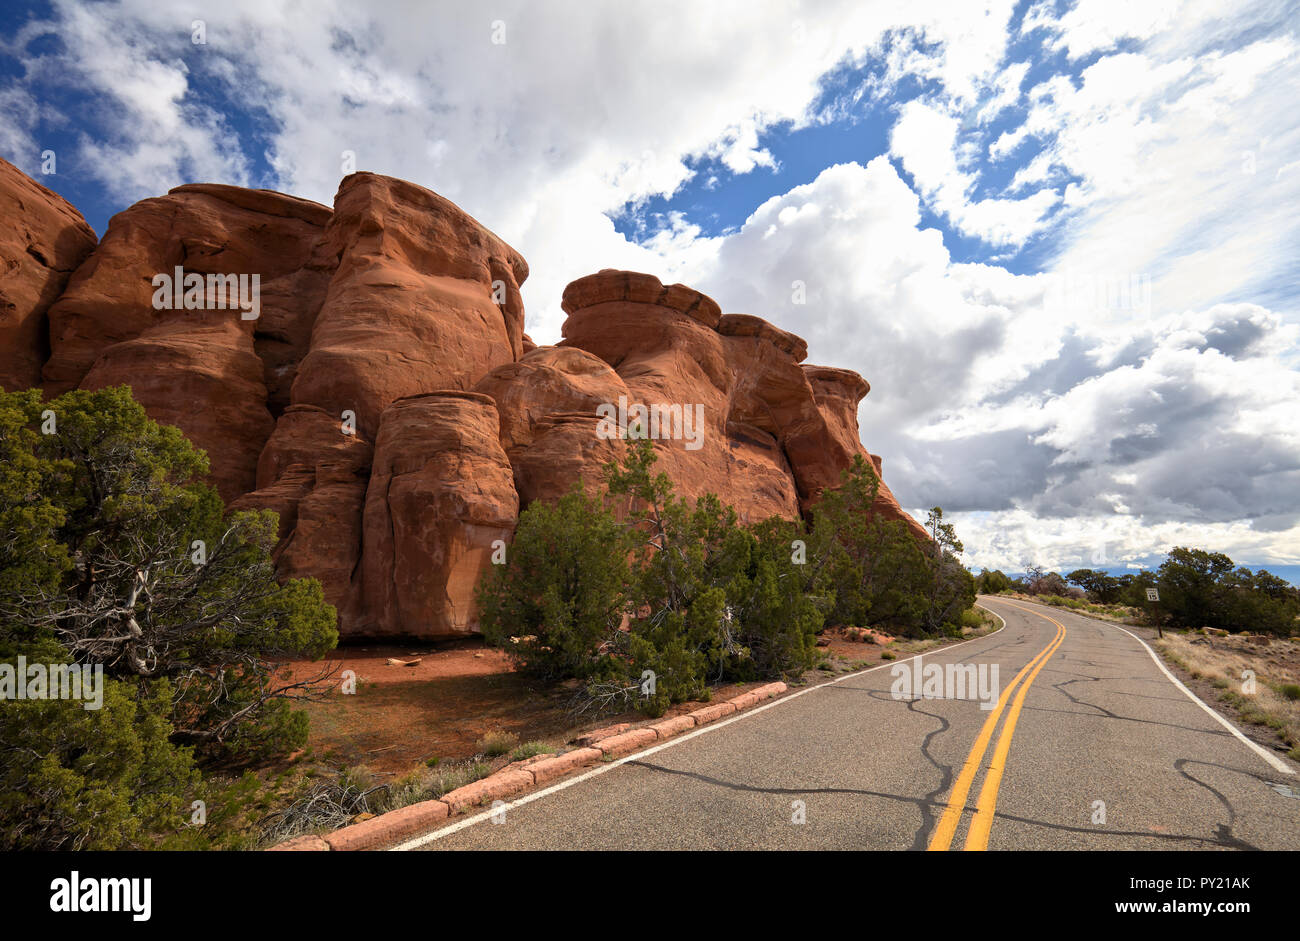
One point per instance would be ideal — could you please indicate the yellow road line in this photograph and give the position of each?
(977, 836)
(941, 839)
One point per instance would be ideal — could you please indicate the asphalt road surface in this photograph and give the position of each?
(1090, 746)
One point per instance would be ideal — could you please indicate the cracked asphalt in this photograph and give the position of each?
(1100, 723)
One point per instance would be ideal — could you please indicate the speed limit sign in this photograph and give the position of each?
(1153, 595)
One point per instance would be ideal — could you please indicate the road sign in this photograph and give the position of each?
(1153, 595)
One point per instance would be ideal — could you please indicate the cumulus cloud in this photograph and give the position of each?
(1133, 388)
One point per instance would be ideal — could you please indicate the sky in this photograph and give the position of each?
(1059, 239)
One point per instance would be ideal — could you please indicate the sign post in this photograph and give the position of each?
(1153, 596)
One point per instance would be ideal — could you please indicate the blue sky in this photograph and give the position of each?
(1056, 237)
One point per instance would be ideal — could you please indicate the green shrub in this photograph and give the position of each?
(556, 604)
(117, 555)
(93, 779)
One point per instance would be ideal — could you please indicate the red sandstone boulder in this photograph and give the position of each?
(440, 495)
(548, 404)
(206, 380)
(308, 435)
(773, 433)
(42, 242)
(423, 298)
(665, 345)
(283, 497)
(326, 541)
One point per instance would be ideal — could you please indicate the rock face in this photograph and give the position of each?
(774, 433)
(423, 298)
(547, 403)
(42, 242)
(221, 378)
(440, 495)
(714, 435)
(838, 392)
(376, 388)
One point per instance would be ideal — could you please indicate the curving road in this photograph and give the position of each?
(1091, 746)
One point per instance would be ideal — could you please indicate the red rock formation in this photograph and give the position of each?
(838, 392)
(440, 494)
(773, 438)
(547, 403)
(203, 377)
(42, 242)
(665, 344)
(314, 473)
(385, 401)
(326, 542)
(211, 372)
(423, 298)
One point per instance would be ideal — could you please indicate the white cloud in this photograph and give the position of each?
(1052, 417)
(926, 140)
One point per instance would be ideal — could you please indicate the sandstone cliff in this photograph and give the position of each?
(381, 395)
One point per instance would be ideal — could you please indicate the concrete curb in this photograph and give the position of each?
(613, 741)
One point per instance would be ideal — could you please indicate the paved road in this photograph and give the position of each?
(1098, 722)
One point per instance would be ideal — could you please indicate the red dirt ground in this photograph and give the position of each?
(402, 716)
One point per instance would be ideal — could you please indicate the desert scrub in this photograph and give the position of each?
(496, 744)
(326, 805)
(1271, 705)
(531, 750)
(429, 783)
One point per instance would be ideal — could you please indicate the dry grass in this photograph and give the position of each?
(429, 783)
(1222, 663)
(496, 744)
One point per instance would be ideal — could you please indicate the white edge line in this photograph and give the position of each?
(1272, 759)
(417, 842)
(1260, 750)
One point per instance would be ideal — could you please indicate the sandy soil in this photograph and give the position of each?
(403, 716)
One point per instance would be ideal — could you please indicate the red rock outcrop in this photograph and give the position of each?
(423, 298)
(385, 401)
(773, 438)
(664, 343)
(838, 392)
(441, 493)
(547, 404)
(42, 242)
(210, 371)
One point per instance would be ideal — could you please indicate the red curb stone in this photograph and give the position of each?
(770, 690)
(712, 713)
(618, 745)
(497, 786)
(388, 828)
(745, 700)
(594, 736)
(309, 844)
(558, 765)
(670, 727)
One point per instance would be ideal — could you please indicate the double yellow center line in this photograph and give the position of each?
(977, 834)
